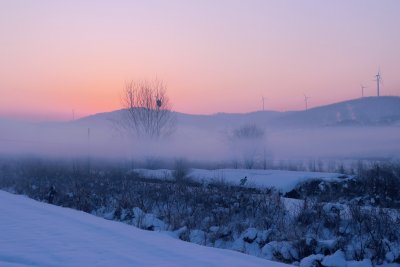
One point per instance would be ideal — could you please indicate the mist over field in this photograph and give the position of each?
(370, 131)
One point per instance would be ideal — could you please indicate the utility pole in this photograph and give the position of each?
(88, 148)
(362, 90)
(306, 100)
(263, 103)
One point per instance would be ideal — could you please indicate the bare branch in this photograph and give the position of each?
(149, 111)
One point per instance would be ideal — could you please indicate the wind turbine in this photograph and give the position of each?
(306, 100)
(362, 90)
(378, 80)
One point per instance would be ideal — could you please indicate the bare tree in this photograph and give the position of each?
(149, 110)
(248, 140)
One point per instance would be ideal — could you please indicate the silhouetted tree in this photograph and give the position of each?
(149, 110)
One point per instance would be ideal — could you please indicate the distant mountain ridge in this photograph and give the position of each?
(367, 111)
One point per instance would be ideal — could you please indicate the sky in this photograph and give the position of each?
(59, 58)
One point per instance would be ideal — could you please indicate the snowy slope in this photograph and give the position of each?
(38, 234)
(281, 180)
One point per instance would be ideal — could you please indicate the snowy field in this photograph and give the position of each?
(38, 234)
(281, 180)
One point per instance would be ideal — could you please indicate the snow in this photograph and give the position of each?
(311, 260)
(250, 234)
(335, 260)
(368, 263)
(245, 243)
(363, 263)
(282, 248)
(198, 237)
(147, 220)
(281, 180)
(39, 234)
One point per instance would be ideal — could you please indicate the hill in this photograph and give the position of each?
(185, 120)
(368, 111)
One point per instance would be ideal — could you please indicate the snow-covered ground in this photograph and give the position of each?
(38, 234)
(281, 180)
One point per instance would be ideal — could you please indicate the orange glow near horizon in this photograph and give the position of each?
(214, 57)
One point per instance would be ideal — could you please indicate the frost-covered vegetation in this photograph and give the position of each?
(353, 221)
(377, 185)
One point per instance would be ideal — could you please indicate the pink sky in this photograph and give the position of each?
(215, 56)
